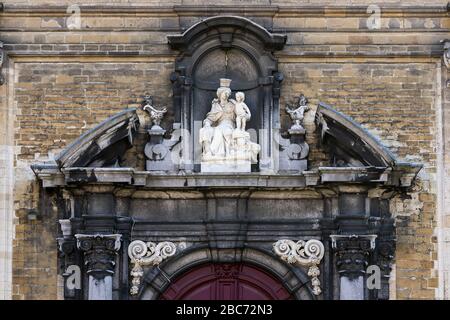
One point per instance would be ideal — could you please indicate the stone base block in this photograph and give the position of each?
(287, 165)
(238, 166)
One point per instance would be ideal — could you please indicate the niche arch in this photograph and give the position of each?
(195, 81)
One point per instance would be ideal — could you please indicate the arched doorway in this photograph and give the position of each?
(237, 281)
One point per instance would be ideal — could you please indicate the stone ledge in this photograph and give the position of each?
(53, 177)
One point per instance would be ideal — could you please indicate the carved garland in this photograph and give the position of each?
(145, 254)
(305, 253)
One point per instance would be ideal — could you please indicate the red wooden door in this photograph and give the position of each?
(226, 282)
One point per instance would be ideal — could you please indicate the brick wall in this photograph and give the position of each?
(66, 81)
(56, 103)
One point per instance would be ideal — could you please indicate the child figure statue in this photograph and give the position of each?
(242, 111)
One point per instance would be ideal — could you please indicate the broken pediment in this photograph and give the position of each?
(356, 153)
(101, 146)
(357, 157)
(348, 143)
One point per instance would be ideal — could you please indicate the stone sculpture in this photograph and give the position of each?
(147, 254)
(155, 114)
(225, 147)
(242, 112)
(158, 149)
(297, 113)
(304, 253)
(295, 150)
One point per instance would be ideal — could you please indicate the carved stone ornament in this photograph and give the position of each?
(156, 115)
(352, 253)
(100, 251)
(295, 150)
(305, 253)
(297, 113)
(2, 59)
(226, 146)
(147, 254)
(158, 149)
(446, 55)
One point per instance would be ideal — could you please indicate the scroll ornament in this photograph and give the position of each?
(146, 254)
(305, 253)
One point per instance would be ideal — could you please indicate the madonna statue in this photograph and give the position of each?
(225, 148)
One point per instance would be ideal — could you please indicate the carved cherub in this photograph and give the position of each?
(155, 114)
(242, 111)
(297, 114)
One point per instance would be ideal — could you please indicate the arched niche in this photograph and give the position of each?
(226, 47)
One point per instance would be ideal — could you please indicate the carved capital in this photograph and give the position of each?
(305, 253)
(352, 253)
(446, 55)
(146, 254)
(100, 252)
(2, 60)
(66, 246)
(385, 255)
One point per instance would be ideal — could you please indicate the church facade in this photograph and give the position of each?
(251, 150)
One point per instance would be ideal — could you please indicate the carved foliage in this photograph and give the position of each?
(146, 254)
(305, 253)
(100, 253)
(352, 253)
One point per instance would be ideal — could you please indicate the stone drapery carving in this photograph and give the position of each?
(305, 253)
(226, 147)
(146, 254)
(158, 149)
(100, 252)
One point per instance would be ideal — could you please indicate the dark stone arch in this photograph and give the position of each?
(293, 279)
(270, 40)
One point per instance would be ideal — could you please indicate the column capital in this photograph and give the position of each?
(446, 55)
(100, 251)
(352, 253)
(2, 59)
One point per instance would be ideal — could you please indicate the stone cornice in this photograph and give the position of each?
(246, 10)
(398, 176)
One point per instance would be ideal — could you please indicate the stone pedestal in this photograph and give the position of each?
(158, 151)
(226, 166)
(294, 151)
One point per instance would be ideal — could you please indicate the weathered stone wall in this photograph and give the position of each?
(64, 81)
(225, 2)
(443, 209)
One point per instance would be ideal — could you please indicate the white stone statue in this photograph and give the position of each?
(155, 114)
(226, 148)
(242, 111)
(297, 112)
